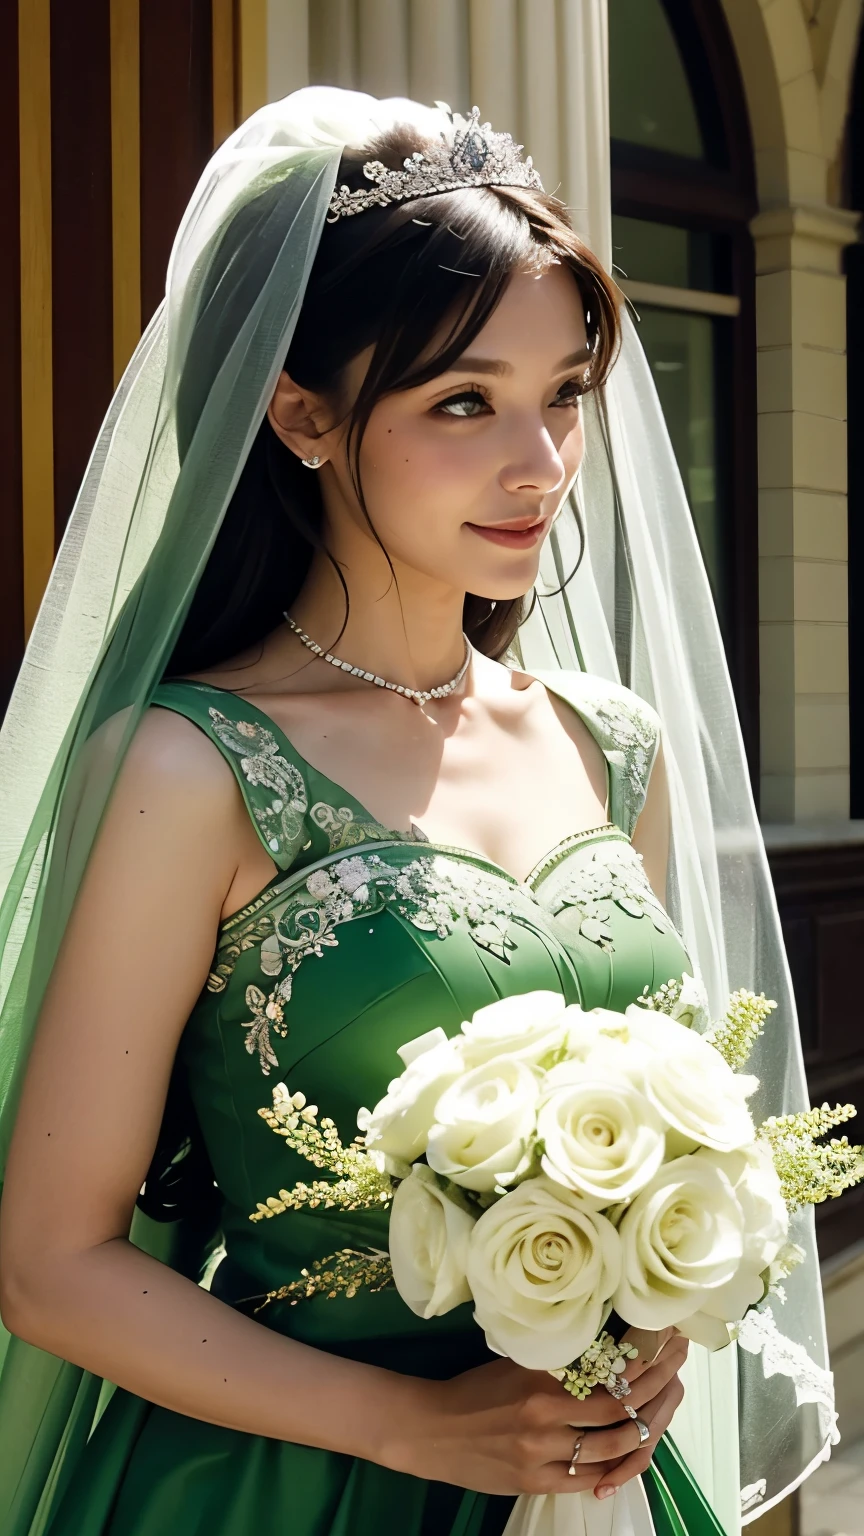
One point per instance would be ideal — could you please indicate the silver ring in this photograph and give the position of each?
(644, 1431)
(617, 1387)
(571, 1470)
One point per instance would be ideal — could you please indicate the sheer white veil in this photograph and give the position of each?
(638, 610)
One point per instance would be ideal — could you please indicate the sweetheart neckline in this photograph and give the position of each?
(451, 850)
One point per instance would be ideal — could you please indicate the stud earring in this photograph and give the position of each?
(313, 463)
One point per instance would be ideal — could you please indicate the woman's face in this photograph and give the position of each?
(495, 441)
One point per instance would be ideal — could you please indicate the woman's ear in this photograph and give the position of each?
(297, 417)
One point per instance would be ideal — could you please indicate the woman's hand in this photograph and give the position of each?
(501, 1429)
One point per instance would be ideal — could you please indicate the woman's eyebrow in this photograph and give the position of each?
(498, 366)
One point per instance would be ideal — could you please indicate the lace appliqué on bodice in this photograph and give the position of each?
(432, 893)
(634, 734)
(612, 873)
(262, 764)
(344, 830)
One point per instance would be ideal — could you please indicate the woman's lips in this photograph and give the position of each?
(511, 538)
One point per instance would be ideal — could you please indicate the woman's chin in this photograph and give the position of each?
(504, 589)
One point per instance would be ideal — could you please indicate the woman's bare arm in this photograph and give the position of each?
(136, 954)
(134, 959)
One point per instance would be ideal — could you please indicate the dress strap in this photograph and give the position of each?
(260, 757)
(626, 729)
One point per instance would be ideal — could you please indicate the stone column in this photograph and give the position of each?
(801, 345)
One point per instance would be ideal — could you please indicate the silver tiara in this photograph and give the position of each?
(476, 157)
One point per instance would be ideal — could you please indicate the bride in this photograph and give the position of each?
(330, 806)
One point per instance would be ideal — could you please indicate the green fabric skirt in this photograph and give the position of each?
(150, 1472)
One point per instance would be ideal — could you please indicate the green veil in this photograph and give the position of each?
(139, 536)
(639, 611)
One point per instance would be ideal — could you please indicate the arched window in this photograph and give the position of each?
(682, 196)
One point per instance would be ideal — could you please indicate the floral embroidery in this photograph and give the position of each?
(344, 830)
(433, 893)
(268, 1013)
(229, 954)
(633, 732)
(612, 874)
(263, 766)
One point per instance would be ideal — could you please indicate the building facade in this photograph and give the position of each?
(737, 165)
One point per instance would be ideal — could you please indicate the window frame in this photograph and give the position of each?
(716, 195)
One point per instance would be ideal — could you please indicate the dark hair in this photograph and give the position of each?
(393, 278)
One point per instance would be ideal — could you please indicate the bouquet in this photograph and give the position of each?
(571, 1173)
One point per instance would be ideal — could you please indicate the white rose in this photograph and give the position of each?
(604, 1039)
(757, 1187)
(753, 1177)
(429, 1235)
(527, 1026)
(695, 1090)
(681, 1239)
(601, 1136)
(396, 1129)
(484, 1123)
(542, 1268)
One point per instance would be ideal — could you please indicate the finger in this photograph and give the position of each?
(651, 1382)
(613, 1444)
(555, 1478)
(601, 1408)
(649, 1344)
(551, 1406)
(638, 1461)
(624, 1440)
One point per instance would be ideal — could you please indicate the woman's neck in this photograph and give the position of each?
(410, 633)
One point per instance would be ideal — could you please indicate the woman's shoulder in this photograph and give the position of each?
(173, 815)
(173, 770)
(617, 713)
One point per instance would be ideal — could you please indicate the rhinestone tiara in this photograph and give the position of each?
(476, 157)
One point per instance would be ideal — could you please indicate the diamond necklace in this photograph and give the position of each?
(416, 695)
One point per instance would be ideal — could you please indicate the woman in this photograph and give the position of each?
(346, 788)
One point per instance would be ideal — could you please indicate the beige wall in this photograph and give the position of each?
(507, 55)
(796, 77)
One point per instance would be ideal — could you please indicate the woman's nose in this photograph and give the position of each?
(534, 462)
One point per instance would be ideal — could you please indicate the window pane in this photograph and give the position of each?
(685, 353)
(661, 253)
(650, 98)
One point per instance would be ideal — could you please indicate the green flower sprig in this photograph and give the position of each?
(811, 1170)
(359, 1184)
(346, 1272)
(736, 1034)
(600, 1363)
(664, 1000)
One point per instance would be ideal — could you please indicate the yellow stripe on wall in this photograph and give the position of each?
(252, 49)
(125, 180)
(37, 415)
(224, 71)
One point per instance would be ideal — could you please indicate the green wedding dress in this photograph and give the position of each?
(364, 939)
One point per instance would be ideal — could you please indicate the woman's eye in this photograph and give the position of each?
(469, 403)
(571, 392)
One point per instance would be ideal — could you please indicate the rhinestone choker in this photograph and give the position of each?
(416, 695)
